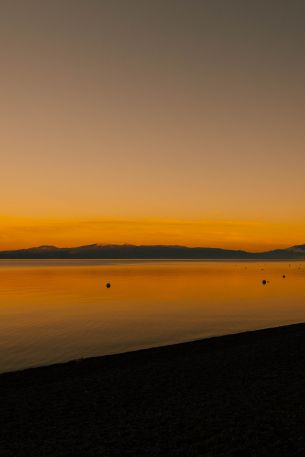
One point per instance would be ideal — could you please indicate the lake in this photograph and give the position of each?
(58, 310)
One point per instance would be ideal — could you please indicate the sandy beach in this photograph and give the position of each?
(236, 395)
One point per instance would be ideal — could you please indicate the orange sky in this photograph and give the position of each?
(249, 235)
(152, 122)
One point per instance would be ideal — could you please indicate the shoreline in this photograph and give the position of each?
(135, 353)
(235, 395)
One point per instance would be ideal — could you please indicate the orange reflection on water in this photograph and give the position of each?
(58, 310)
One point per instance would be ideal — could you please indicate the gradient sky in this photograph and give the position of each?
(163, 121)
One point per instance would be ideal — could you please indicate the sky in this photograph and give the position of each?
(152, 122)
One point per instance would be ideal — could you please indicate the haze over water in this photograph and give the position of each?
(54, 311)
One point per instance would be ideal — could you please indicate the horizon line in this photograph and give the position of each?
(122, 245)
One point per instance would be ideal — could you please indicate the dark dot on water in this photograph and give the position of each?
(108, 285)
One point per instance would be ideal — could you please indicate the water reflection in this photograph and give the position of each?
(53, 311)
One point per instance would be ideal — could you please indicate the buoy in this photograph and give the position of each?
(108, 285)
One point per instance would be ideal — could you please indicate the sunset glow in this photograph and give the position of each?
(140, 122)
(16, 233)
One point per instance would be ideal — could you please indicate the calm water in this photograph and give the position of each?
(52, 311)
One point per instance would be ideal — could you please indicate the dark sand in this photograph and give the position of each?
(238, 395)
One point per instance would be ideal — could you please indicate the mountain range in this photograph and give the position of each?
(126, 251)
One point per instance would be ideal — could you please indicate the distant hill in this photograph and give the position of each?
(126, 251)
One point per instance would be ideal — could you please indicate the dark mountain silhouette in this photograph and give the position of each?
(126, 251)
